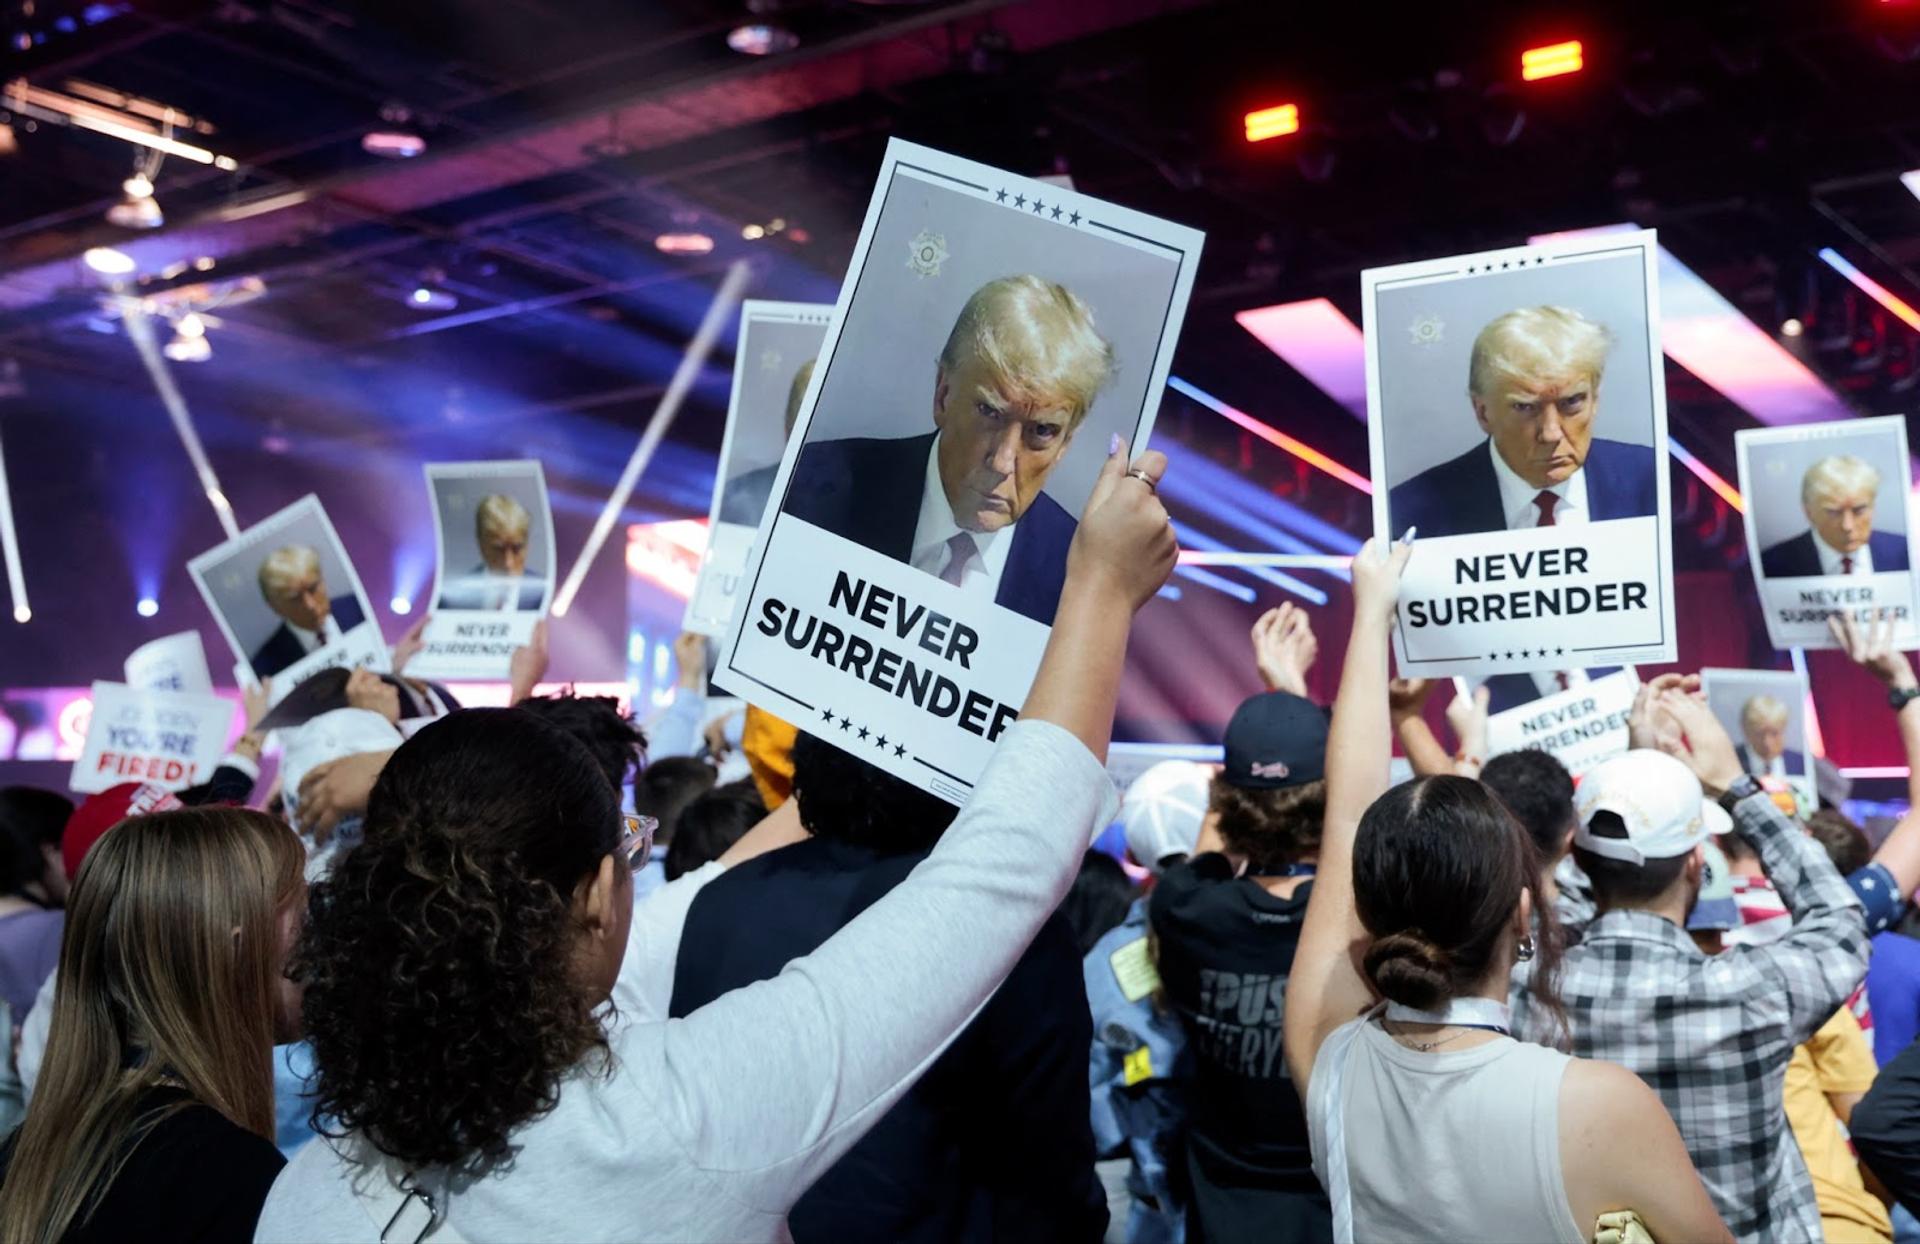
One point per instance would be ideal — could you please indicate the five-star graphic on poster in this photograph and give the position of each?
(926, 252)
(770, 359)
(1427, 330)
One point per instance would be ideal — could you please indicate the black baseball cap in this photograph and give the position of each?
(1276, 740)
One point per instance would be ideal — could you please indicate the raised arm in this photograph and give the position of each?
(1325, 988)
(1284, 649)
(864, 1015)
(1873, 649)
(1467, 714)
(1406, 698)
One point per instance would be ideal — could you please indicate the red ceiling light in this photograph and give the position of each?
(1273, 122)
(1551, 61)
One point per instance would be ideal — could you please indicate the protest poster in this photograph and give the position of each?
(287, 600)
(993, 333)
(1827, 526)
(171, 739)
(170, 663)
(1579, 727)
(1765, 714)
(493, 566)
(1517, 418)
(772, 363)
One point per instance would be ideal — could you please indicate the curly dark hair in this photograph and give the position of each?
(439, 1016)
(617, 745)
(844, 798)
(1271, 828)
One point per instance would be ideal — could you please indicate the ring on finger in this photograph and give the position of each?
(1143, 477)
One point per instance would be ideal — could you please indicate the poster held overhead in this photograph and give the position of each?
(1765, 714)
(1827, 526)
(287, 600)
(171, 739)
(992, 336)
(171, 663)
(779, 342)
(1579, 727)
(493, 566)
(1518, 419)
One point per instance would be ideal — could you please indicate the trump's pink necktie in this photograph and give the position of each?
(960, 551)
(1546, 501)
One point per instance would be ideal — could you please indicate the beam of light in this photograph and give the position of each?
(1196, 483)
(1816, 742)
(1900, 307)
(1285, 582)
(1291, 561)
(1876, 771)
(1240, 592)
(140, 332)
(1272, 436)
(1274, 122)
(1317, 341)
(717, 315)
(10, 547)
(1552, 61)
(1706, 475)
(1711, 338)
(1911, 180)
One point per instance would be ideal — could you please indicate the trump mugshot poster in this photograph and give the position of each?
(286, 597)
(1580, 726)
(171, 739)
(1765, 714)
(1828, 529)
(492, 567)
(779, 342)
(992, 334)
(1517, 418)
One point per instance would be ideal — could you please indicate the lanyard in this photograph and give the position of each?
(1460, 1013)
(1282, 870)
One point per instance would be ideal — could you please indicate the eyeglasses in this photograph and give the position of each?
(636, 840)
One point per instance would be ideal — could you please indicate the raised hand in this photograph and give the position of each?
(1284, 648)
(1125, 539)
(528, 665)
(1376, 577)
(1872, 648)
(1407, 697)
(1709, 752)
(411, 643)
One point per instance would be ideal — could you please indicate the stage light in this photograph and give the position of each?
(401, 604)
(1911, 180)
(108, 261)
(147, 607)
(683, 243)
(1900, 307)
(22, 614)
(1317, 341)
(753, 233)
(190, 325)
(393, 144)
(1791, 328)
(762, 39)
(1551, 61)
(1273, 122)
(1273, 436)
(138, 186)
(186, 348)
(136, 213)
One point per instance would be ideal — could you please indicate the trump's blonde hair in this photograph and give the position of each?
(1037, 338)
(1838, 475)
(285, 564)
(501, 515)
(1763, 710)
(1529, 343)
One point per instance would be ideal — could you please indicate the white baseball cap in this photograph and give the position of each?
(1657, 799)
(1162, 810)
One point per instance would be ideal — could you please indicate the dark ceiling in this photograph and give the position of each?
(564, 136)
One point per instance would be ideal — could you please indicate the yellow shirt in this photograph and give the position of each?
(1837, 1059)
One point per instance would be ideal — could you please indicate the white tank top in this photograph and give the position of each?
(1450, 1145)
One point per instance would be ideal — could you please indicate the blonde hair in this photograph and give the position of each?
(1763, 710)
(796, 390)
(1838, 475)
(155, 988)
(287, 562)
(500, 513)
(1037, 338)
(1530, 342)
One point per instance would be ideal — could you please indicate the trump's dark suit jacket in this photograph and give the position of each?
(283, 649)
(1799, 557)
(1462, 496)
(1794, 762)
(868, 491)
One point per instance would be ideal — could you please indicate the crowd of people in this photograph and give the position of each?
(526, 973)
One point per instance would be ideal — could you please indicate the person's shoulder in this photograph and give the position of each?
(1622, 453)
(1603, 1094)
(312, 1201)
(856, 452)
(1189, 885)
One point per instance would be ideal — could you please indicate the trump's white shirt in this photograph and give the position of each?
(1777, 767)
(313, 641)
(936, 527)
(1830, 557)
(1517, 496)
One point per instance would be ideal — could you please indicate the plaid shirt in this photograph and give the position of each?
(1712, 1034)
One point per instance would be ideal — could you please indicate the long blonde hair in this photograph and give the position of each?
(169, 967)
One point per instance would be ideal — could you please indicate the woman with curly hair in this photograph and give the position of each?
(459, 962)
(154, 1115)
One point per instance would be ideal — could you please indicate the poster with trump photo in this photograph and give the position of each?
(1765, 714)
(993, 334)
(772, 364)
(493, 566)
(1518, 419)
(286, 597)
(171, 739)
(1828, 529)
(171, 663)
(1579, 726)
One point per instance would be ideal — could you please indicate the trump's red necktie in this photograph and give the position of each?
(1846, 564)
(1546, 501)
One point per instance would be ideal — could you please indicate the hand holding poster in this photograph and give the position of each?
(171, 663)
(1765, 714)
(493, 566)
(170, 739)
(287, 599)
(1518, 420)
(779, 343)
(1827, 526)
(993, 334)
(1579, 727)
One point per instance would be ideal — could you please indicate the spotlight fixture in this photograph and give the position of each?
(401, 604)
(1791, 328)
(107, 261)
(753, 233)
(1552, 61)
(189, 346)
(393, 144)
(428, 298)
(137, 213)
(683, 243)
(1274, 122)
(22, 614)
(147, 607)
(761, 39)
